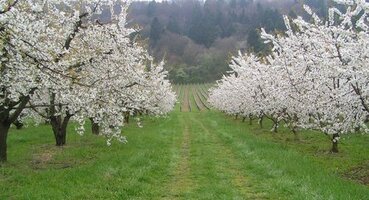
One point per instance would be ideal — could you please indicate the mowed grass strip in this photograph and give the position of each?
(194, 100)
(191, 99)
(202, 97)
(182, 182)
(198, 101)
(205, 89)
(185, 102)
(180, 97)
(216, 168)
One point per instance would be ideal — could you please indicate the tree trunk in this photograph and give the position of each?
(95, 128)
(60, 137)
(59, 126)
(60, 133)
(261, 121)
(243, 119)
(4, 129)
(126, 117)
(275, 127)
(335, 138)
(18, 124)
(6, 119)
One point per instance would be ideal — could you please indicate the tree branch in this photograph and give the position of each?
(358, 92)
(24, 101)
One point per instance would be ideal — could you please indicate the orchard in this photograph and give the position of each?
(315, 78)
(109, 99)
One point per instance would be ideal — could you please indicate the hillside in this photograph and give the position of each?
(197, 38)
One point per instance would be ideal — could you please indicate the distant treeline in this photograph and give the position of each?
(197, 39)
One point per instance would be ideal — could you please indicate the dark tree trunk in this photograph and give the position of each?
(243, 119)
(6, 119)
(4, 129)
(59, 126)
(261, 119)
(95, 128)
(60, 137)
(18, 124)
(250, 120)
(335, 143)
(126, 117)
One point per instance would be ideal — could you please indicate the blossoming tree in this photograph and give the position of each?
(59, 62)
(316, 77)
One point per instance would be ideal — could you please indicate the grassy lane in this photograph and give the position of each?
(191, 99)
(216, 169)
(181, 182)
(185, 101)
(188, 155)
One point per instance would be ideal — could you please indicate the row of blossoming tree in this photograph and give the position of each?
(60, 63)
(315, 78)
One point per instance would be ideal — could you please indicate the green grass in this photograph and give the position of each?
(86, 167)
(317, 145)
(193, 90)
(194, 106)
(187, 155)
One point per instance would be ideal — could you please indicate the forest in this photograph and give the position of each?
(197, 39)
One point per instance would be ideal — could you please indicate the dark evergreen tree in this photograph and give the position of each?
(173, 26)
(151, 9)
(204, 28)
(255, 42)
(155, 31)
(272, 20)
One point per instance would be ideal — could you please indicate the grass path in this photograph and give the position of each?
(220, 160)
(185, 100)
(181, 181)
(223, 170)
(188, 155)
